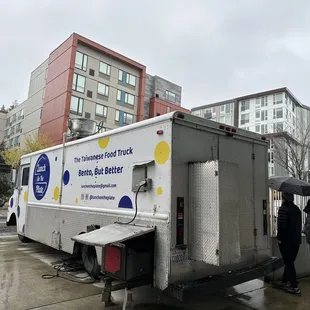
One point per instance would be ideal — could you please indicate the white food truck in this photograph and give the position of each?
(176, 202)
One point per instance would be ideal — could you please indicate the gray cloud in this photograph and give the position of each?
(214, 49)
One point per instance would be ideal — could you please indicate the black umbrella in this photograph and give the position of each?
(290, 185)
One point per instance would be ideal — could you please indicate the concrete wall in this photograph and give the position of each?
(36, 93)
(156, 86)
(112, 81)
(3, 116)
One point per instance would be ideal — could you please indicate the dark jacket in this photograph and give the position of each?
(307, 224)
(289, 223)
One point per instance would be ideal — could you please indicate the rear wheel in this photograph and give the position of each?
(23, 239)
(88, 255)
(90, 261)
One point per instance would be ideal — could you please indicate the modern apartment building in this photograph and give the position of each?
(3, 116)
(270, 112)
(82, 78)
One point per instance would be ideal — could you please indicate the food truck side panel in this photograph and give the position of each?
(192, 143)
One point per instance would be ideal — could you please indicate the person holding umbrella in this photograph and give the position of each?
(289, 239)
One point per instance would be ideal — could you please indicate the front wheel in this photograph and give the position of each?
(23, 239)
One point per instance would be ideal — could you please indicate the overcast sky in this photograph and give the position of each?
(215, 50)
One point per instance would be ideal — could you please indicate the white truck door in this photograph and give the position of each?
(22, 198)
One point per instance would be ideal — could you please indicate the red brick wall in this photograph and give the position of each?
(58, 91)
(158, 106)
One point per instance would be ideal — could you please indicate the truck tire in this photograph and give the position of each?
(23, 239)
(90, 262)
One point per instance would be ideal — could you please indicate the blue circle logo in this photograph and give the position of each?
(41, 177)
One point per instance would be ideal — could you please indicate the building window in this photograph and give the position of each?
(257, 128)
(8, 121)
(245, 118)
(168, 109)
(78, 83)
(22, 113)
(18, 127)
(127, 117)
(278, 127)
(130, 79)
(257, 103)
(277, 98)
(277, 113)
(14, 118)
(264, 115)
(92, 72)
(104, 68)
(103, 90)
(245, 105)
(170, 96)
(222, 108)
(16, 141)
(264, 101)
(128, 98)
(257, 114)
(101, 110)
(264, 129)
(81, 61)
(76, 106)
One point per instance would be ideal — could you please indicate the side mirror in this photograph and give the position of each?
(13, 179)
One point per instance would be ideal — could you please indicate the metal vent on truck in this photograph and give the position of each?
(80, 128)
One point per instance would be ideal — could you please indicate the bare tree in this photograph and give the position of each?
(291, 150)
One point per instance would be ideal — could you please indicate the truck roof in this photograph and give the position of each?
(181, 116)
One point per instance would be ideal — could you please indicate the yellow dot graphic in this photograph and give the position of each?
(76, 200)
(25, 196)
(159, 190)
(162, 152)
(103, 143)
(56, 193)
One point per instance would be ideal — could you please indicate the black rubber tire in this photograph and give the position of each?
(90, 261)
(23, 239)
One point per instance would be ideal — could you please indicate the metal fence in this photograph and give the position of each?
(275, 200)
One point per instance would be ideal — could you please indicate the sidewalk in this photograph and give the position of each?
(4, 211)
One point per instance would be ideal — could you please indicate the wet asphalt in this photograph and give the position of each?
(23, 288)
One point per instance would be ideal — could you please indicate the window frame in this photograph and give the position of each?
(107, 89)
(105, 110)
(245, 121)
(75, 82)
(128, 76)
(167, 96)
(24, 177)
(78, 105)
(108, 67)
(84, 63)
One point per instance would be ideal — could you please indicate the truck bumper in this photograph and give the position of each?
(215, 283)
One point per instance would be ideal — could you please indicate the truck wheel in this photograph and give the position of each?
(23, 239)
(89, 258)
